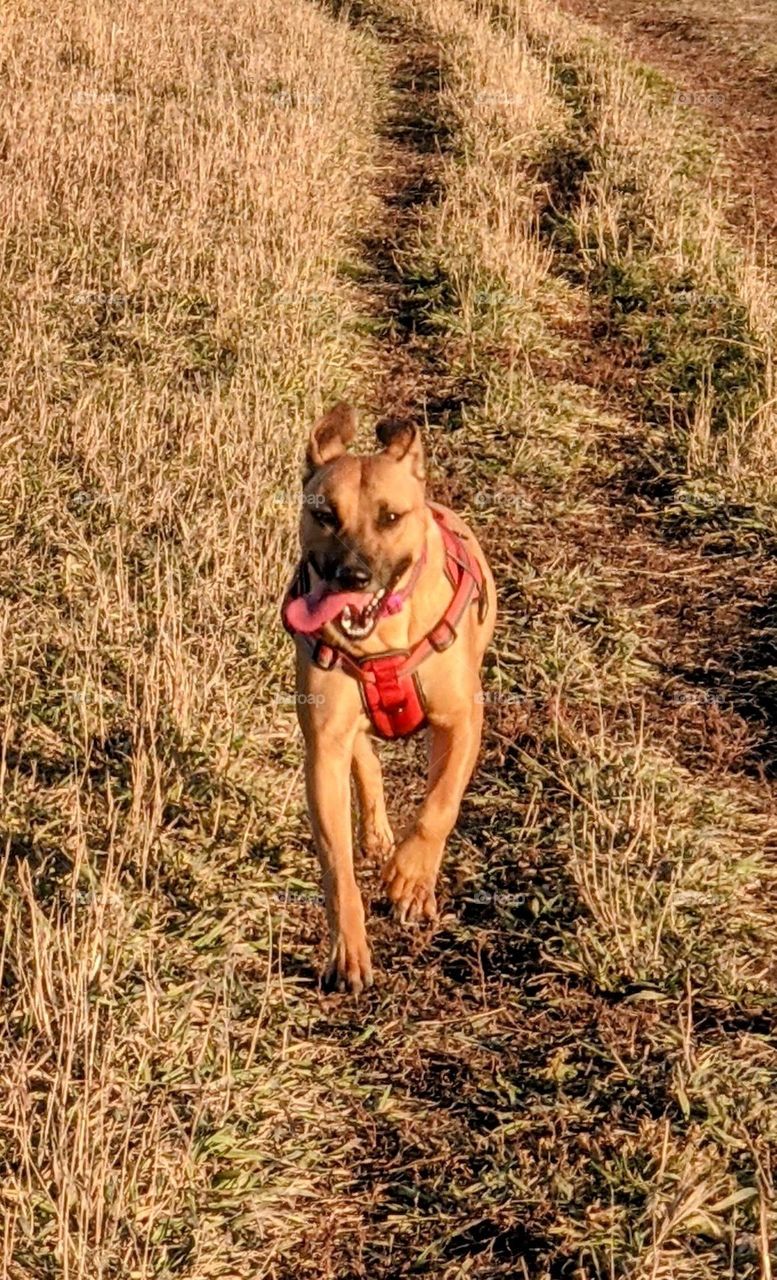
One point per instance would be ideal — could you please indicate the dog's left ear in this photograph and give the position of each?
(402, 442)
(330, 437)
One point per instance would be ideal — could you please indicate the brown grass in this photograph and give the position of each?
(217, 220)
(187, 184)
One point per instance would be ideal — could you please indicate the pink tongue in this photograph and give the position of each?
(308, 613)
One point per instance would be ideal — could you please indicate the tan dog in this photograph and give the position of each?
(379, 570)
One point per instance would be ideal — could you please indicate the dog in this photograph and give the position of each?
(392, 607)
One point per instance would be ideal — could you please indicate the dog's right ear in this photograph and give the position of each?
(330, 437)
(400, 440)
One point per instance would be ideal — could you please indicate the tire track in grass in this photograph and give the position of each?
(656, 344)
(605, 541)
(718, 76)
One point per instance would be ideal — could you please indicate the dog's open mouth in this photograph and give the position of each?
(357, 624)
(354, 612)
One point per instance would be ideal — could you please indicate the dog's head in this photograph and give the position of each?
(363, 517)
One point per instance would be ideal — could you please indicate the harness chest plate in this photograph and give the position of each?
(395, 700)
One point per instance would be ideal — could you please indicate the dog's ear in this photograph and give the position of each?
(330, 437)
(402, 442)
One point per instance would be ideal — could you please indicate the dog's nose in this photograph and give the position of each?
(352, 576)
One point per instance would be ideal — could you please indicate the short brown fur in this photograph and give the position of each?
(333, 721)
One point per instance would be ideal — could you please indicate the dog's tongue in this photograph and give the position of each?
(310, 612)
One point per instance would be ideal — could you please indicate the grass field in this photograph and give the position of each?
(214, 222)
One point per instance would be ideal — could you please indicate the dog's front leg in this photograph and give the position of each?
(328, 755)
(410, 875)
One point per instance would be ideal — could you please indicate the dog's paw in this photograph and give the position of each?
(349, 968)
(376, 843)
(409, 879)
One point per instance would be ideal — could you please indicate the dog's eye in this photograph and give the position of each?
(387, 518)
(323, 516)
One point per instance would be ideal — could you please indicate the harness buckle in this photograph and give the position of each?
(443, 636)
(324, 656)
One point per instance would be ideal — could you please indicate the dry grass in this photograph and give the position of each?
(573, 1073)
(645, 222)
(188, 184)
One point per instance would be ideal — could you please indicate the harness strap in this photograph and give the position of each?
(326, 656)
(443, 635)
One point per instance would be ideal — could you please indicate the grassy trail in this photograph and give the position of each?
(722, 61)
(616, 854)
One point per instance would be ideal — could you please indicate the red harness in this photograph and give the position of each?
(390, 688)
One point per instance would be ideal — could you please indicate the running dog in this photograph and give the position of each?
(391, 607)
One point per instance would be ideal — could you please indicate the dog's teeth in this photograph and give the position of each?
(358, 624)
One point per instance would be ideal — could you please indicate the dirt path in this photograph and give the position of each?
(711, 54)
(416, 135)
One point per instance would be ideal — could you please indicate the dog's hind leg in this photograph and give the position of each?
(375, 834)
